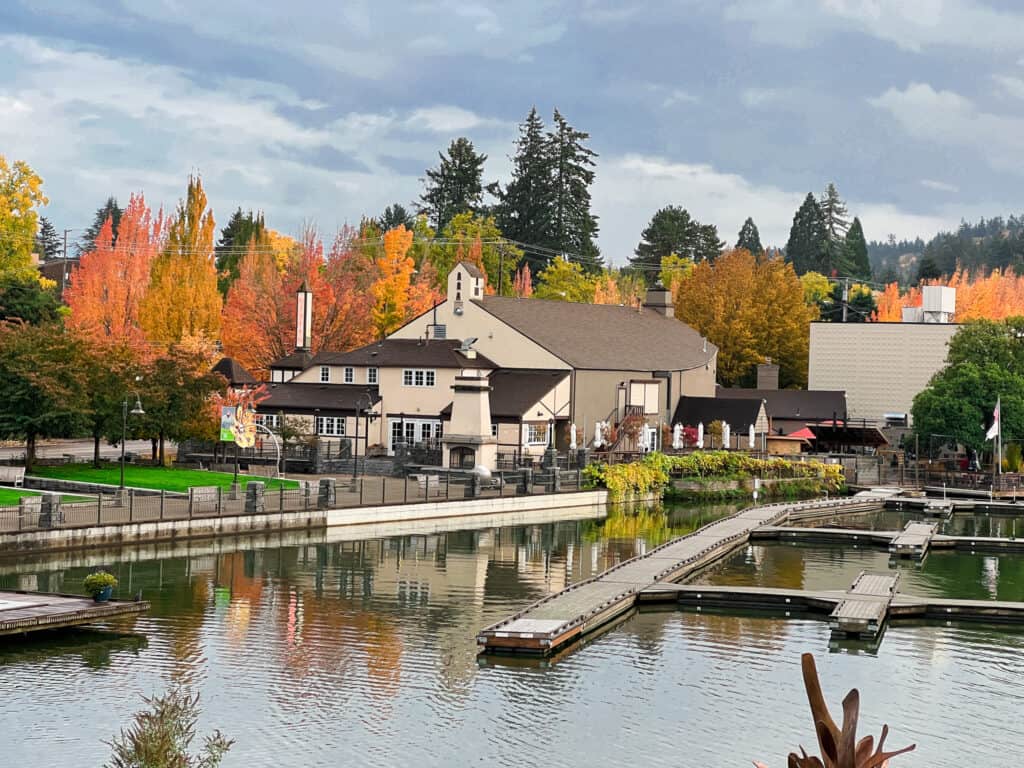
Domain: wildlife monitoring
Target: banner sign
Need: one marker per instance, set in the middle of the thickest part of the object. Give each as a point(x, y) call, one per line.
point(227, 423)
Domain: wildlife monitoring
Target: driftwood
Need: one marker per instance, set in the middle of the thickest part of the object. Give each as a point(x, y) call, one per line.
point(839, 747)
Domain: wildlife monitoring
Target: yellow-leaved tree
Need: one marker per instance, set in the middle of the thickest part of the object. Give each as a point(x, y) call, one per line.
point(183, 300)
point(751, 308)
point(394, 276)
point(21, 192)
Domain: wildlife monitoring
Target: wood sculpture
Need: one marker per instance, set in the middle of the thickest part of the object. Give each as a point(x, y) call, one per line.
point(839, 747)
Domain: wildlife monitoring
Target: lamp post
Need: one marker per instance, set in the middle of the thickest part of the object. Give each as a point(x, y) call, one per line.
point(136, 411)
point(355, 441)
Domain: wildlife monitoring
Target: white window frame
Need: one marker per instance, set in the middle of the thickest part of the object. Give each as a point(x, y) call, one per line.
point(349, 376)
point(494, 430)
point(371, 376)
point(420, 378)
point(325, 374)
point(271, 421)
point(533, 434)
point(329, 426)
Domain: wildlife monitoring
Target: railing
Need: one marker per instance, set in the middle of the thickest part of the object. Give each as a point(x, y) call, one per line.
point(36, 513)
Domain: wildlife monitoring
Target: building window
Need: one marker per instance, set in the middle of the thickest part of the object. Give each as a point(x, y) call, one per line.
point(332, 426)
point(537, 434)
point(410, 432)
point(494, 430)
point(325, 374)
point(418, 377)
point(350, 375)
point(476, 289)
point(269, 420)
point(396, 433)
point(371, 375)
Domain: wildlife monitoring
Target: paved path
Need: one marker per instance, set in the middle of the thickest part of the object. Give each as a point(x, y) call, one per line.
point(80, 449)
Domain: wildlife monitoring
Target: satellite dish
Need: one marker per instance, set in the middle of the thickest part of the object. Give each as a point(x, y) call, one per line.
point(467, 344)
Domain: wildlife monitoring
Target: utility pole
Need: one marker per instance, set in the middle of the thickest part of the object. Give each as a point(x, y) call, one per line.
point(846, 296)
point(501, 266)
point(64, 266)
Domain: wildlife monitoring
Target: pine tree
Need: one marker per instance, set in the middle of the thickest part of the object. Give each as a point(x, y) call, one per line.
point(48, 244)
point(524, 209)
point(749, 238)
point(109, 210)
point(396, 216)
point(834, 213)
point(928, 270)
point(673, 231)
point(241, 230)
point(807, 248)
point(455, 186)
point(573, 225)
point(857, 251)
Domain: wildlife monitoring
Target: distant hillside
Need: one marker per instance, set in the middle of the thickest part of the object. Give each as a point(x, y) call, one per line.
point(988, 244)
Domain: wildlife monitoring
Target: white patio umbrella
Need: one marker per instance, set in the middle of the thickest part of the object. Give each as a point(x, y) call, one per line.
point(598, 435)
point(677, 436)
point(700, 435)
point(572, 436)
point(751, 439)
point(725, 435)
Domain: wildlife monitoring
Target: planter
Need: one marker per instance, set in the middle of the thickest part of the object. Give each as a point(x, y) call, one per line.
point(103, 595)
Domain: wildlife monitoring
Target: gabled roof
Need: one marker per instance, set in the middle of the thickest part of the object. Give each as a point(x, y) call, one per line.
point(234, 372)
point(604, 336)
point(299, 360)
point(513, 391)
point(328, 399)
point(472, 268)
point(794, 404)
point(433, 353)
point(738, 414)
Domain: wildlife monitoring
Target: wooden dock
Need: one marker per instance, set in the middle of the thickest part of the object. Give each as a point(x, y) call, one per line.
point(865, 605)
point(582, 608)
point(22, 612)
point(913, 541)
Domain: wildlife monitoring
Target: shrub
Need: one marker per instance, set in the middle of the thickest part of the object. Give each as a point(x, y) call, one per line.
point(96, 582)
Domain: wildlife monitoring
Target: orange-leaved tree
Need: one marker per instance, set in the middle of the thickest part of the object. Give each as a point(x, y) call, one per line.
point(255, 321)
point(106, 292)
point(394, 276)
point(183, 300)
point(522, 285)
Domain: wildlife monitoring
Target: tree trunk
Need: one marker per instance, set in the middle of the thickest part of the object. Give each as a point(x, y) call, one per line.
point(161, 449)
point(96, 450)
point(30, 452)
point(152, 443)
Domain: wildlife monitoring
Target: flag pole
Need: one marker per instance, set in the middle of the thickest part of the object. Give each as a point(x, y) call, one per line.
point(999, 434)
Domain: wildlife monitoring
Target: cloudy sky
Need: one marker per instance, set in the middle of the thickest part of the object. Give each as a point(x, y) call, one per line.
point(325, 111)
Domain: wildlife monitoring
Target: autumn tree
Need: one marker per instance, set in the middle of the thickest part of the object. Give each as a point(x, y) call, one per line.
point(21, 193)
point(183, 299)
point(522, 284)
point(751, 308)
point(394, 276)
point(476, 238)
point(673, 269)
point(564, 280)
point(106, 292)
point(889, 308)
point(256, 325)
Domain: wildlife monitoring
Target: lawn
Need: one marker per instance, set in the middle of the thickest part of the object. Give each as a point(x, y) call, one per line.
point(9, 497)
point(155, 478)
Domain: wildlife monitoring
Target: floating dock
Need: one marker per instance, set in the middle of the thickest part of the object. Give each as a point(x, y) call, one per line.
point(22, 612)
point(886, 539)
point(863, 609)
point(913, 541)
point(578, 610)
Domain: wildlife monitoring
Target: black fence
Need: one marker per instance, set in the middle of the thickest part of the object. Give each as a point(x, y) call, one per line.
point(48, 512)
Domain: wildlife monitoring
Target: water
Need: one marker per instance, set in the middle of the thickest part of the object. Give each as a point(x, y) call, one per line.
point(363, 654)
point(981, 524)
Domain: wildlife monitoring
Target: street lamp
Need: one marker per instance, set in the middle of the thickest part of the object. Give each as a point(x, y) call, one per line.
point(136, 411)
point(355, 442)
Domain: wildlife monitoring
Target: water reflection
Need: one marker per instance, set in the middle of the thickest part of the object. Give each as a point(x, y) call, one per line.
point(982, 524)
point(357, 653)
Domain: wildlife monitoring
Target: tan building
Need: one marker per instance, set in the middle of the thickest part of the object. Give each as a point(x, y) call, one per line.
point(619, 359)
point(881, 366)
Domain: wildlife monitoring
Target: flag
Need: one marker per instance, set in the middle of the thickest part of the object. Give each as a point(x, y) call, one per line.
point(993, 431)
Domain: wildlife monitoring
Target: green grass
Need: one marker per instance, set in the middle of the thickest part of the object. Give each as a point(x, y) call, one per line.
point(155, 478)
point(11, 496)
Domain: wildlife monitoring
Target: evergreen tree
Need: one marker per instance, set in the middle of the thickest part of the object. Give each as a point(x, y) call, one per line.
point(455, 186)
point(928, 269)
point(48, 243)
point(749, 238)
point(524, 208)
point(857, 251)
point(834, 213)
point(673, 231)
point(241, 229)
point(807, 247)
point(110, 210)
point(396, 216)
point(573, 225)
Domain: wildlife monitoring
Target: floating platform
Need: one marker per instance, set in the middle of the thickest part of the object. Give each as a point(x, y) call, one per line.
point(913, 541)
point(22, 612)
point(886, 539)
point(582, 608)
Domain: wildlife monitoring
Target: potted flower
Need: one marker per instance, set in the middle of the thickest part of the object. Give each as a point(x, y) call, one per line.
point(100, 585)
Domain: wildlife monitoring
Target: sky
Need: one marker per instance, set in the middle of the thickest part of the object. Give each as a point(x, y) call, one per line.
point(322, 112)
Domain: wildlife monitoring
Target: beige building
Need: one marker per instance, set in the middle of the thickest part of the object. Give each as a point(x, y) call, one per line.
point(881, 366)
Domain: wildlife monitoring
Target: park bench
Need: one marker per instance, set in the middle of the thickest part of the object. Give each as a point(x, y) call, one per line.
point(12, 476)
point(204, 498)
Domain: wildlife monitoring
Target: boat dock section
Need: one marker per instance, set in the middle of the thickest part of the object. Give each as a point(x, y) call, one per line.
point(22, 612)
point(913, 541)
point(567, 616)
point(864, 607)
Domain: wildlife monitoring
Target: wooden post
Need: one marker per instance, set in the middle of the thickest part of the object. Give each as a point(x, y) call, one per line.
point(99, 508)
point(383, 489)
point(131, 503)
point(220, 491)
point(405, 490)
point(163, 495)
point(361, 491)
point(189, 503)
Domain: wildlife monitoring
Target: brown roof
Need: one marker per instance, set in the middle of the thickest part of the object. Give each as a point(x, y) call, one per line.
point(299, 360)
point(434, 353)
point(604, 336)
point(794, 404)
point(234, 372)
point(513, 391)
point(472, 268)
point(328, 399)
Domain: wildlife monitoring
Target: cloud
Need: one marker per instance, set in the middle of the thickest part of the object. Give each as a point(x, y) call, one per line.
point(446, 119)
point(912, 25)
point(939, 186)
point(948, 119)
point(630, 188)
point(754, 98)
point(1010, 86)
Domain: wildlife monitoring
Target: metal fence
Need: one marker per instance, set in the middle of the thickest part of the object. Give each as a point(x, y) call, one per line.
point(48, 512)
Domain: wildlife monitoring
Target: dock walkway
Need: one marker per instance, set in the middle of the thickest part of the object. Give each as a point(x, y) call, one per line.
point(22, 612)
point(582, 608)
point(864, 607)
point(914, 540)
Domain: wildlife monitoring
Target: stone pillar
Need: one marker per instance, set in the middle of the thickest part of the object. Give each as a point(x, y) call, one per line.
point(556, 480)
point(49, 511)
point(582, 457)
point(254, 504)
point(550, 458)
point(528, 480)
point(475, 485)
point(327, 496)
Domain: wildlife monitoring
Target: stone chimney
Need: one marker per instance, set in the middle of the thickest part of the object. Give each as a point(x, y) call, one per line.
point(768, 375)
point(467, 441)
point(659, 299)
